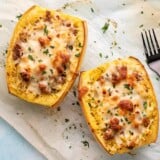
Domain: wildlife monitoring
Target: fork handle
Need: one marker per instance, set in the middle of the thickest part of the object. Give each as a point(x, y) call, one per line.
point(155, 66)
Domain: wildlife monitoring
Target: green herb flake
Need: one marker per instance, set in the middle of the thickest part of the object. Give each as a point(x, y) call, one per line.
point(105, 27)
point(131, 133)
point(39, 60)
point(45, 30)
point(52, 47)
point(51, 70)
point(141, 26)
point(145, 105)
point(85, 143)
point(74, 93)
point(92, 10)
point(77, 55)
point(31, 57)
point(66, 120)
point(127, 86)
point(89, 104)
point(142, 12)
point(0, 25)
point(100, 55)
point(46, 51)
point(70, 47)
point(29, 49)
point(19, 16)
point(44, 72)
point(80, 45)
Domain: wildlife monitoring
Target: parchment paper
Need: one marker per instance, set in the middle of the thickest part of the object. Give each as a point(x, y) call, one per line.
point(62, 133)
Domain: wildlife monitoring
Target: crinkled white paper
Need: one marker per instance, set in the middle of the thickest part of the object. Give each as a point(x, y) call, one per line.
point(62, 133)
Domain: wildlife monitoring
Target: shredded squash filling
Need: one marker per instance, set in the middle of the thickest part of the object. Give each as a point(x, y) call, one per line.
point(120, 105)
point(45, 53)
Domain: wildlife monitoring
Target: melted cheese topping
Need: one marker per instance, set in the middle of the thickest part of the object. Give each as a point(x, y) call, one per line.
point(47, 53)
point(119, 105)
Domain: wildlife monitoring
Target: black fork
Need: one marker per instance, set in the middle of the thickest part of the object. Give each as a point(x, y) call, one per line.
point(151, 50)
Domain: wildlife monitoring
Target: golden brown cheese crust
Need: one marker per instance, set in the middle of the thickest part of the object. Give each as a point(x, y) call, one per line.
point(44, 55)
point(120, 105)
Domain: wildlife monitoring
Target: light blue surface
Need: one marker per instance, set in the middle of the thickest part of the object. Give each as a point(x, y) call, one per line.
point(14, 147)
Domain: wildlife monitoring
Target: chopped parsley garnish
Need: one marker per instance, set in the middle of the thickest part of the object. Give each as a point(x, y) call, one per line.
point(100, 55)
point(45, 30)
point(19, 16)
point(77, 55)
point(145, 105)
point(46, 51)
point(105, 27)
point(92, 10)
point(85, 143)
point(142, 12)
point(31, 57)
point(0, 25)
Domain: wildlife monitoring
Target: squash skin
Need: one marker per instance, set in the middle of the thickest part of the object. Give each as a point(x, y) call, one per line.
point(50, 100)
point(92, 123)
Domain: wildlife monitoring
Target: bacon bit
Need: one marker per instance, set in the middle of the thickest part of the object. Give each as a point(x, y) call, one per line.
point(123, 72)
point(101, 80)
point(25, 76)
point(43, 88)
point(115, 98)
point(109, 134)
point(61, 80)
point(48, 16)
point(58, 17)
point(126, 105)
point(131, 117)
point(82, 91)
point(145, 121)
point(115, 79)
point(135, 124)
point(17, 52)
point(42, 67)
point(104, 92)
point(23, 36)
point(131, 145)
point(65, 57)
point(74, 31)
point(60, 61)
point(137, 76)
point(68, 24)
point(44, 41)
point(58, 35)
point(114, 124)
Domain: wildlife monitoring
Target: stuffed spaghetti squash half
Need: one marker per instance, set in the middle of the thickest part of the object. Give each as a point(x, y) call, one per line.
point(119, 104)
point(44, 55)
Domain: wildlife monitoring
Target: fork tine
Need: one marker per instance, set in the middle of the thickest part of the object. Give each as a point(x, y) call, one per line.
point(153, 46)
point(155, 38)
point(144, 45)
point(149, 47)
